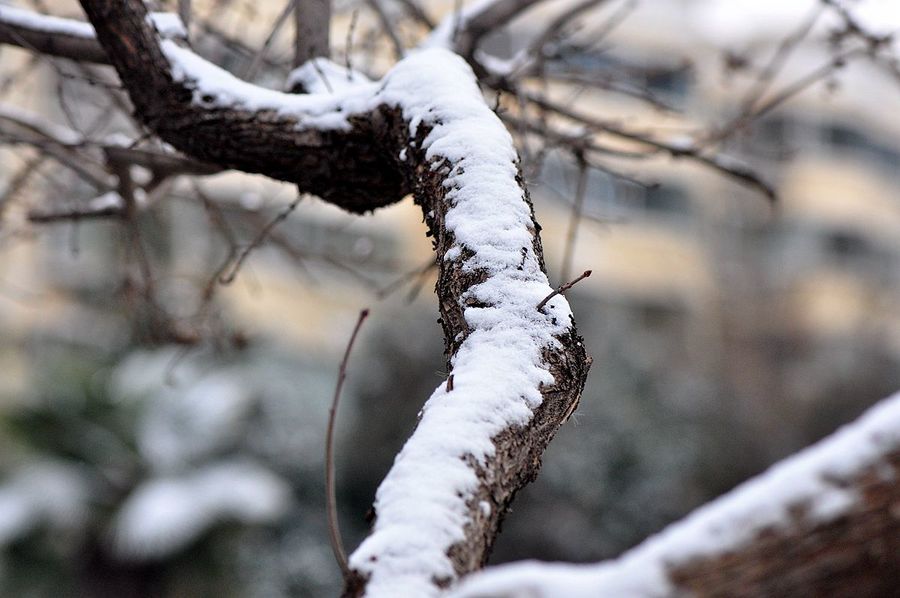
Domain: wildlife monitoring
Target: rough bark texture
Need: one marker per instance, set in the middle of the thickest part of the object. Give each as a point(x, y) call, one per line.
point(351, 169)
point(855, 554)
point(518, 450)
point(357, 170)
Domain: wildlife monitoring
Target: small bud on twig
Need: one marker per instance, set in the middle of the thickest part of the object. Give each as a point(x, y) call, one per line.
point(561, 290)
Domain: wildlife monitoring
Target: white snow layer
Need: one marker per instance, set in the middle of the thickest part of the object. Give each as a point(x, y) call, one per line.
point(29, 19)
point(321, 75)
point(422, 504)
point(806, 479)
point(51, 493)
point(165, 514)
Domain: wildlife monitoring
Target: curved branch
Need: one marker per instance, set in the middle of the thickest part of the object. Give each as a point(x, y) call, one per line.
point(214, 117)
point(424, 128)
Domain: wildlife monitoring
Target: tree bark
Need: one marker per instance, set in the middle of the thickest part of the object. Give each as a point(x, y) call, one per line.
point(372, 163)
point(824, 522)
point(855, 554)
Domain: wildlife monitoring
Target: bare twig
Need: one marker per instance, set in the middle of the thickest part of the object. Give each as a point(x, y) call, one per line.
point(76, 214)
point(232, 272)
point(470, 28)
point(804, 82)
point(348, 49)
point(561, 290)
point(554, 29)
point(19, 180)
point(415, 274)
point(778, 60)
point(334, 530)
point(575, 219)
point(388, 26)
point(731, 168)
point(416, 12)
point(276, 28)
point(184, 12)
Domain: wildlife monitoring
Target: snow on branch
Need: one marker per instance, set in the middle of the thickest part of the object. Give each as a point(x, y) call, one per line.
point(818, 505)
point(69, 38)
point(424, 128)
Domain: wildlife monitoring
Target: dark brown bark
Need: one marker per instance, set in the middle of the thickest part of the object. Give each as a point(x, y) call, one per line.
point(353, 169)
point(518, 450)
point(856, 554)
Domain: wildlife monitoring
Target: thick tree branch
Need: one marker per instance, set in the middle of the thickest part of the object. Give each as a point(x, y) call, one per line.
point(825, 522)
point(424, 128)
point(345, 165)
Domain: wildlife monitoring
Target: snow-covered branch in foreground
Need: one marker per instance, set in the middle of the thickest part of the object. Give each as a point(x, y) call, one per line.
point(423, 129)
point(823, 522)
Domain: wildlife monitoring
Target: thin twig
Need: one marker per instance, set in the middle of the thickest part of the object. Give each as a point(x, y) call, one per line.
point(334, 530)
point(388, 27)
point(836, 62)
point(184, 12)
point(232, 272)
point(348, 50)
point(417, 13)
point(575, 219)
point(263, 50)
point(731, 168)
point(39, 217)
point(561, 290)
point(415, 274)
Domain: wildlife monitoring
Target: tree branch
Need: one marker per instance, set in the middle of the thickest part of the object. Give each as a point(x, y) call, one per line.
point(424, 128)
point(821, 523)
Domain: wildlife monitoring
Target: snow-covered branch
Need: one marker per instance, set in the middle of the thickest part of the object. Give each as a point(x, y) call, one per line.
point(823, 522)
point(424, 128)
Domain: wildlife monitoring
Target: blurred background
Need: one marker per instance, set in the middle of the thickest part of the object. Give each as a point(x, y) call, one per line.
point(162, 426)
